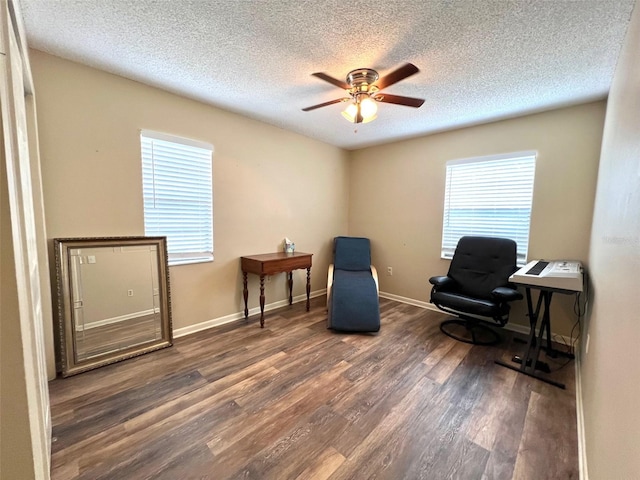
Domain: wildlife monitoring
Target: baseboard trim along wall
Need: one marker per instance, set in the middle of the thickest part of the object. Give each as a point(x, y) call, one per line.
point(582, 447)
point(181, 332)
point(215, 322)
point(429, 306)
point(121, 318)
point(410, 301)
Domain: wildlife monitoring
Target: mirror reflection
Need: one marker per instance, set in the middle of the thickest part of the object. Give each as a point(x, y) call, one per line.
point(113, 299)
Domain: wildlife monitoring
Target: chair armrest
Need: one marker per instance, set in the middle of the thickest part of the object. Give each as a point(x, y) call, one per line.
point(374, 273)
point(329, 283)
point(506, 294)
point(440, 282)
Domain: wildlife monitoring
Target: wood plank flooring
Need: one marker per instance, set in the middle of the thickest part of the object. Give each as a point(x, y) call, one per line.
point(297, 401)
point(117, 336)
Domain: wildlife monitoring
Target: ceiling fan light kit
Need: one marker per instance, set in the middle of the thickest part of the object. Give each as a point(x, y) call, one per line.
point(363, 86)
point(364, 107)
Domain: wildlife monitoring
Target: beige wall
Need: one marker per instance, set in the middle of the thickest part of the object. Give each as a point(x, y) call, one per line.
point(268, 183)
point(397, 193)
point(610, 369)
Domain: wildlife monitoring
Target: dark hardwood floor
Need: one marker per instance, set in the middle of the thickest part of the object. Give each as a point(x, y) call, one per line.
point(109, 338)
point(297, 401)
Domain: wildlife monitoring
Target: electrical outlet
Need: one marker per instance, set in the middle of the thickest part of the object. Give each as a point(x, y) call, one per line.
point(268, 278)
point(389, 271)
point(129, 293)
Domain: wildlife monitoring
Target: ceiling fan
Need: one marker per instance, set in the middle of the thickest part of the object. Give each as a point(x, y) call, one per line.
point(363, 86)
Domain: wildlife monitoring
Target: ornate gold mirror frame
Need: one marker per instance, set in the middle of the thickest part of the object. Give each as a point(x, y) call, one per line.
point(113, 300)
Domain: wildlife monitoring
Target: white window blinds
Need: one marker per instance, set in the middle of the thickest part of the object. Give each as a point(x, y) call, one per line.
point(489, 196)
point(178, 197)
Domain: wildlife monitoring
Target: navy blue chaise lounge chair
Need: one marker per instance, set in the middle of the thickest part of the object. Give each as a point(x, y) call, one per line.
point(352, 287)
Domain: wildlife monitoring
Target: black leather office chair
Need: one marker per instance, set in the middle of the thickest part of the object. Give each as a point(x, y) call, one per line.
point(476, 289)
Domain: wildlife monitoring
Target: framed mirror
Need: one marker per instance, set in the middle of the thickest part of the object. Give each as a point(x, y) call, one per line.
point(113, 300)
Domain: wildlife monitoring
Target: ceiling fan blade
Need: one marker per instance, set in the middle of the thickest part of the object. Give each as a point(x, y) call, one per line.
point(400, 100)
point(331, 80)
point(320, 105)
point(401, 73)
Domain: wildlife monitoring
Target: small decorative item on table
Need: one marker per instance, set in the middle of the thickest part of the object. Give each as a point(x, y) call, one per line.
point(289, 246)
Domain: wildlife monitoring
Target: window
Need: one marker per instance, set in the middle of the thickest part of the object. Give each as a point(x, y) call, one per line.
point(489, 196)
point(178, 197)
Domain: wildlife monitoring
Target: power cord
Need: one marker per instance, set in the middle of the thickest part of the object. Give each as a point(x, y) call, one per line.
point(580, 304)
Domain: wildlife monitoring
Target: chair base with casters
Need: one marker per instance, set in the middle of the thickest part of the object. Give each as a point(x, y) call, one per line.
point(352, 288)
point(476, 289)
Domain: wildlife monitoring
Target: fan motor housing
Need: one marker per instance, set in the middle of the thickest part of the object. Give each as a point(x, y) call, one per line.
point(361, 77)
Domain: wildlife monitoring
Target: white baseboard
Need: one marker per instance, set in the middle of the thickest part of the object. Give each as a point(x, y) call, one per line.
point(582, 448)
point(121, 318)
point(523, 329)
point(410, 301)
point(215, 322)
point(180, 332)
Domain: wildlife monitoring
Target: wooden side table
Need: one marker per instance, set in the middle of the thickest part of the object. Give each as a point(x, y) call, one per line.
point(272, 263)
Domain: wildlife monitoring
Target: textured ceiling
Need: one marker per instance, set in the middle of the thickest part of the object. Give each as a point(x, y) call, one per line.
point(480, 60)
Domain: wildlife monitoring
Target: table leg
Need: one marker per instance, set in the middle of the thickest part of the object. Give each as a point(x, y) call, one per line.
point(308, 287)
point(261, 301)
point(529, 363)
point(290, 288)
point(547, 322)
point(245, 294)
point(544, 328)
point(533, 321)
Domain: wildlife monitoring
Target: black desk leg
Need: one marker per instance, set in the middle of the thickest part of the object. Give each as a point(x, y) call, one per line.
point(529, 362)
point(533, 321)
